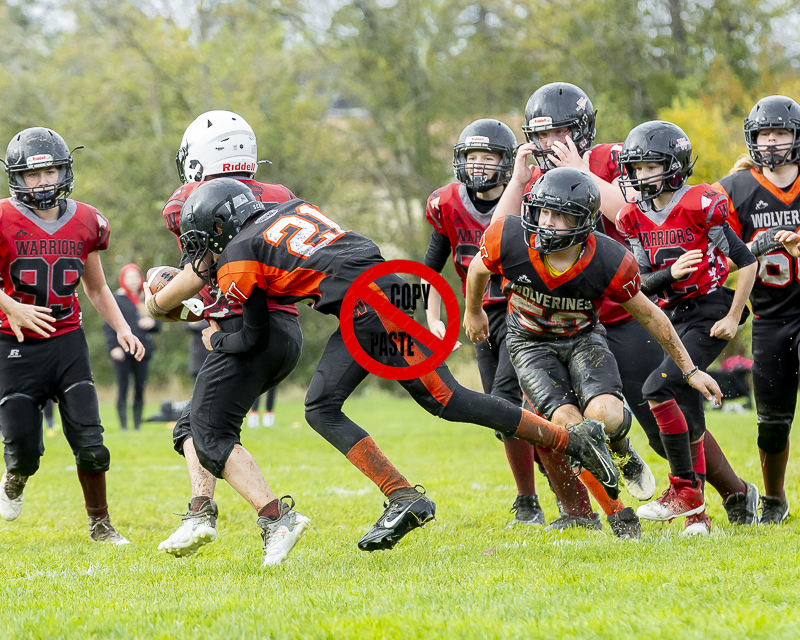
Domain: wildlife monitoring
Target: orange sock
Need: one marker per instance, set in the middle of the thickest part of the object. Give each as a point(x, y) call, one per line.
point(541, 432)
point(369, 459)
point(608, 505)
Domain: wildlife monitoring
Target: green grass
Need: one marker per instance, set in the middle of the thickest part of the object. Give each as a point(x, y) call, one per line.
point(466, 575)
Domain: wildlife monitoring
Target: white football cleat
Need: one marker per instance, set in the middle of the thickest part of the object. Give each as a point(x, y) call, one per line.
point(281, 535)
point(197, 530)
point(11, 485)
point(682, 498)
point(268, 419)
point(697, 525)
point(253, 420)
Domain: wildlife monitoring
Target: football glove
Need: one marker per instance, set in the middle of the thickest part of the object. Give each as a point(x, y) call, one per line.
point(766, 243)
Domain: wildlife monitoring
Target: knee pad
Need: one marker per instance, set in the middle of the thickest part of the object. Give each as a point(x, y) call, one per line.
point(773, 434)
point(18, 413)
point(93, 459)
point(625, 426)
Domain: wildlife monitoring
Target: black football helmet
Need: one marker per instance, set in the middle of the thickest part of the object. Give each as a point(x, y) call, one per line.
point(773, 112)
point(487, 135)
point(568, 191)
point(37, 148)
point(556, 105)
point(211, 217)
point(655, 141)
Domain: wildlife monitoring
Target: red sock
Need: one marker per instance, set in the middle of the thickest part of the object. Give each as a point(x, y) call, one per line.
point(270, 511)
point(521, 456)
point(674, 433)
point(94, 493)
point(369, 459)
point(699, 457)
point(570, 491)
point(719, 473)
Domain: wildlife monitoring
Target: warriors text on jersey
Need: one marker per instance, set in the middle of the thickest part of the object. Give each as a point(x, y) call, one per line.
point(453, 215)
point(546, 307)
point(267, 193)
point(295, 253)
point(41, 263)
point(692, 220)
point(604, 163)
point(755, 205)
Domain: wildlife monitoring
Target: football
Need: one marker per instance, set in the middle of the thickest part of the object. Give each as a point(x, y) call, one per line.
point(190, 310)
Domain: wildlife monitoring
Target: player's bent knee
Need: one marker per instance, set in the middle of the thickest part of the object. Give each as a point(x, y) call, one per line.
point(607, 409)
point(773, 436)
point(94, 459)
point(621, 432)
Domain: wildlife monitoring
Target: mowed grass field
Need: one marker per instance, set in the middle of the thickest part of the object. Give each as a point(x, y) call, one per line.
point(466, 575)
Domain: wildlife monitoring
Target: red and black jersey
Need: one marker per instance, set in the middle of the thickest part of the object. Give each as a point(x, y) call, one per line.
point(542, 306)
point(295, 253)
point(222, 308)
point(756, 205)
point(41, 262)
point(659, 238)
point(453, 215)
point(604, 163)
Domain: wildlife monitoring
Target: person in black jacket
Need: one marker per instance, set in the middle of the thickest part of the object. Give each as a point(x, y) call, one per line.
point(129, 299)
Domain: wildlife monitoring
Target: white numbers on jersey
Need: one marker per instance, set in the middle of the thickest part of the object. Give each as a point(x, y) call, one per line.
point(775, 269)
point(304, 233)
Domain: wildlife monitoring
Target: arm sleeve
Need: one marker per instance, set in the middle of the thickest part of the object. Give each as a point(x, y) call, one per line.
point(490, 247)
point(438, 251)
point(724, 238)
point(254, 334)
point(653, 282)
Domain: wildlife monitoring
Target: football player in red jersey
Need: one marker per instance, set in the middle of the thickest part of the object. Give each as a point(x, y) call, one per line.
point(48, 244)
point(483, 160)
point(222, 143)
point(560, 130)
point(763, 192)
point(293, 252)
point(682, 241)
point(558, 273)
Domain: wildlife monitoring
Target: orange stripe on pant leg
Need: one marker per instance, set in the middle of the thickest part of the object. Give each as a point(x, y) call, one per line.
point(432, 380)
point(370, 460)
point(608, 505)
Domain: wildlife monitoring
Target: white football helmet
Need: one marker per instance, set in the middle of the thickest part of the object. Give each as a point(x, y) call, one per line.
point(217, 143)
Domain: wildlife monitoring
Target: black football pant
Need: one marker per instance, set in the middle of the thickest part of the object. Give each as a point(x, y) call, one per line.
point(124, 370)
point(692, 319)
point(775, 377)
point(227, 386)
point(438, 392)
point(637, 354)
point(34, 371)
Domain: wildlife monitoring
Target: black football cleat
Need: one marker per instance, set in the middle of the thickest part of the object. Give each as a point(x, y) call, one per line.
point(587, 446)
point(625, 524)
point(401, 516)
point(567, 521)
point(742, 508)
point(773, 510)
point(526, 510)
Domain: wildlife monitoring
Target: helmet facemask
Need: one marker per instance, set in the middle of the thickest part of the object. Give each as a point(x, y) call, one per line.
point(774, 155)
point(42, 197)
point(672, 177)
point(547, 240)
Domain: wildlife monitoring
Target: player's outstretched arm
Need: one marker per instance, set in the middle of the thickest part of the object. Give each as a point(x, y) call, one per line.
point(511, 201)
point(476, 322)
point(182, 287)
point(656, 322)
point(27, 316)
point(94, 284)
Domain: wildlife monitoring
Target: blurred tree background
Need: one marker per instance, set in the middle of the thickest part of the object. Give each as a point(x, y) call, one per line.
point(357, 103)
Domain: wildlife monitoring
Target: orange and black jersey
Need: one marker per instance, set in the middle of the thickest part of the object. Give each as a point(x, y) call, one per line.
point(542, 306)
point(295, 253)
point(756, 205)
point(264, 192)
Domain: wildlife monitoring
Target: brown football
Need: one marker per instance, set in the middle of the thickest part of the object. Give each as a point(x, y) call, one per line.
point(160, 277)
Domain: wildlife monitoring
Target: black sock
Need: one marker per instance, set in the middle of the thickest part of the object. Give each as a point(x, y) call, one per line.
point(679, 455)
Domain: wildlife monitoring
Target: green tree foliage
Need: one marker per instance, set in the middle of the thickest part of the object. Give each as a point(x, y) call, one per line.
point(357, 103)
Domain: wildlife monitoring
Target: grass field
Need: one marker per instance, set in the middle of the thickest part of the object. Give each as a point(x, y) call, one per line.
point(466, 575)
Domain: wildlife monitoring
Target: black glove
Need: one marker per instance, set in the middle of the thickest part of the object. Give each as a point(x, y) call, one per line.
point(765, 242)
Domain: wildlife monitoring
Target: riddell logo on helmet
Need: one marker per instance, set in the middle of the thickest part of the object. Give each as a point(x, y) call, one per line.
point(478, 141)
point(541, 122)
point(38, 161)
point(240, 166)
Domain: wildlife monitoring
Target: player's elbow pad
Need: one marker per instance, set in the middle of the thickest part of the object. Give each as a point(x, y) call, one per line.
point(656, 281)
